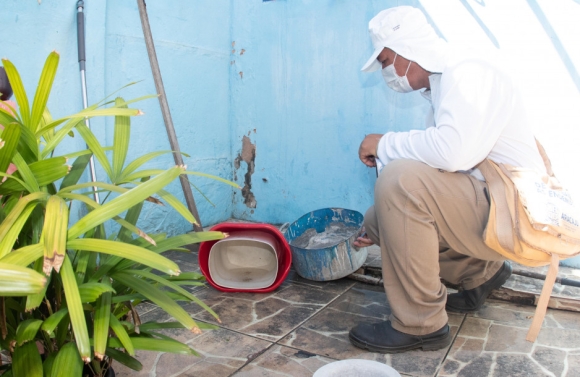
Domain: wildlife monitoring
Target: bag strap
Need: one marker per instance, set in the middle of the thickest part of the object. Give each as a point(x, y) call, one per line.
point(546, 159)
point(542, 305)
point(497, 189)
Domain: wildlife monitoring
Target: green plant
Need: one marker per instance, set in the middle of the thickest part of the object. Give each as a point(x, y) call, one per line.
point(79, 286)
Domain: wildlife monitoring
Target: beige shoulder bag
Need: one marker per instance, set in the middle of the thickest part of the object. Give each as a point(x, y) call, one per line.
point(532, 221)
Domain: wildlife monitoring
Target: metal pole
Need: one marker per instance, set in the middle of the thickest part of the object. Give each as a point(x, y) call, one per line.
point(165, 111)
point(82, 60)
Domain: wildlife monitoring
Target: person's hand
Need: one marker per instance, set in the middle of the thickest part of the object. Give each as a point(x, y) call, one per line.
point(367, 152)
point(362, 240)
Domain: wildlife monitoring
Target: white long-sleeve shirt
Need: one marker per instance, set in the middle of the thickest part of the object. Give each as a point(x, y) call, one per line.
point(477, 113)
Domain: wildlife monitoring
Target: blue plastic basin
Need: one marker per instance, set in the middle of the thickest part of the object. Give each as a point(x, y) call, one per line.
point(334, 261)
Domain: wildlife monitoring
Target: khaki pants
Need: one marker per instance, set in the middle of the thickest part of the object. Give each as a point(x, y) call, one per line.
point(429, 224)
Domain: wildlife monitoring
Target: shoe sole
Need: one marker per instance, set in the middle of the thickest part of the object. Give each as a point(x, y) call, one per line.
point(498, 284)
point(428, 345)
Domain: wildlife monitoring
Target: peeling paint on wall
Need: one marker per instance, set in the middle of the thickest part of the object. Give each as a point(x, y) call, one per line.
point(248, 155)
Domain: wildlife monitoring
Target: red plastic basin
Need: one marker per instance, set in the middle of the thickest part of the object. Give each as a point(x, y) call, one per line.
point(282, 249)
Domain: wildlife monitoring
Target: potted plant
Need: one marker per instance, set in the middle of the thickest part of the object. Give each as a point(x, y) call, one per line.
point(79, 283)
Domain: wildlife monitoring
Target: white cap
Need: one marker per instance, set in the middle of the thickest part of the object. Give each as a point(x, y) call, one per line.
point(405, 30)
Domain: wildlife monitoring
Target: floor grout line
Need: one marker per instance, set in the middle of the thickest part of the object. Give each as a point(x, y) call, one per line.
point(285, 335)
point(450, 346)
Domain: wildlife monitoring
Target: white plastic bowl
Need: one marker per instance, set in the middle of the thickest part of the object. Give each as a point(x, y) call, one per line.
point(356, 368)
point(245, 261)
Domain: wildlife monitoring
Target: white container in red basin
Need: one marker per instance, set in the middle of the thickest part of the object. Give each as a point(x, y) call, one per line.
point(244, 261)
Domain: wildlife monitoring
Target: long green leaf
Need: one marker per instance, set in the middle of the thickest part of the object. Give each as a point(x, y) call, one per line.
point(123, 202)
point(19, 281)
point(26, 361)
point(82, 263)
point(125, 250)
point(27, 330)
point(43, 89)
point(25, 255)
point(185, 239)
point(7, 243)
point(95, 147)
point(77, 170)
point(68, 362)
point(101, 324)
point(159, 345)
point(101, 185)
point(25, 173)
point(111, 111)
point(138, 162)
point(54, 233)
point(46, 119)
point(48, 363)
point(18, 89)
point(92, 291)
point(214, 177)
point(51, 322)
point(28, 145)
point(49, 170)
point(161, 280)
point(120, 140)
point(173, 325)
point(10, 137)
point(7, 117)
point(158, 297)
point(140, 174)
point(122, 334)
point(172, 243)
point(34, 301)
point(186, 276)
point(132, 216)
point(124, 103)
point(126, 225)
point(13, 185)
point(59, 136)
point(75, 307)
point(123, 358)
point(18, 208)
point(177, 205)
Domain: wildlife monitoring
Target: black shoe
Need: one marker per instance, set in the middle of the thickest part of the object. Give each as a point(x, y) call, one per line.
point(471, 300)
point(382, 337)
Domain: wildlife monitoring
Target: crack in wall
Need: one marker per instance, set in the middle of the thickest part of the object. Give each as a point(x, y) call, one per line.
point(248, 155)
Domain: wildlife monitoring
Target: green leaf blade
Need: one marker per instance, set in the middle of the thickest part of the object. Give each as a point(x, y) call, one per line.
point(160, 298)
point(122, 335)
point(101, 324)
point(68, 362)
point(27, 330)
point(75, 307)
point(127, 251)
point(10, 137)
point(43, 89)
point(26, 361)
point(18, 89)
point(120, 140)
point(123, 202)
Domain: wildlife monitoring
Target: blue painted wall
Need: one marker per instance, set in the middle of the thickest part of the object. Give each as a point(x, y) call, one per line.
point(270, 93)
point(299, 96)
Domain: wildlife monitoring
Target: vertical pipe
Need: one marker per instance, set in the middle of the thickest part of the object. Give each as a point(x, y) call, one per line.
point(165, 111)
point(82, 60)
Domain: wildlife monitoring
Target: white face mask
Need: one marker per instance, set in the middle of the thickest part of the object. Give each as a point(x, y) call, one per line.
point(397, 83)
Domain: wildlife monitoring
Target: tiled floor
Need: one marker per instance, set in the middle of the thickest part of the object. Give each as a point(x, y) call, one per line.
point(304, 325)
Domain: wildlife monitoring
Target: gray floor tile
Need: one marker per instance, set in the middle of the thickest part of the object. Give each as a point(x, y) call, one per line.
point(283, 361)
point(222, 352)
point(327, 333)
point(268, 316)
point(492, 342)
